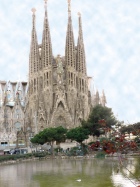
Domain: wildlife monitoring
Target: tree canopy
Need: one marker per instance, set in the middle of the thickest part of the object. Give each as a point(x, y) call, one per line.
point(50, 135)
point(99, 117)
point(78, 134)
point(134, 129)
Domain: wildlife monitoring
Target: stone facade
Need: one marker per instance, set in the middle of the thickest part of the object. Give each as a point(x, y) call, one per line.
point(58, 91)
point(58, 86)
point(12, 115)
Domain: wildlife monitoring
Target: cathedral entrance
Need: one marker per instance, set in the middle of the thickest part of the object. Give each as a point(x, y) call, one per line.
point(60, 121)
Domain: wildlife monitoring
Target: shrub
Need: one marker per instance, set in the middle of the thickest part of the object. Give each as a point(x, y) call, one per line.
point(14, 157)
point(100, 154)
point(40, 154)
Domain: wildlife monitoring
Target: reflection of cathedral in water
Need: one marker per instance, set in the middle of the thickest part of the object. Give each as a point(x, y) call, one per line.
point(58, 88)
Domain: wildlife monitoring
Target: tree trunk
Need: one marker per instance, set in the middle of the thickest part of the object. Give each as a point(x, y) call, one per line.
point(52, 148)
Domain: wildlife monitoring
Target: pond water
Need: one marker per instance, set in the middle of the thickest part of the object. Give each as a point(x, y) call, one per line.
point(71, 173)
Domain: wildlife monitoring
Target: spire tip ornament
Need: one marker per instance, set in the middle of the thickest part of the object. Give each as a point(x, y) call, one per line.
point(79, 14)
point(69, 6)
point(45, 1)
point(45, 6)
point(33, 11)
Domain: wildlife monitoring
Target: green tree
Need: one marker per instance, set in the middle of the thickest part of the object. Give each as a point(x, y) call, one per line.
point(61, 134)
point(134, 129)
point(136, 126)
point(97, 114)
point(126, 129)
point(78, 134)
point(50, 135)
point(38, 139)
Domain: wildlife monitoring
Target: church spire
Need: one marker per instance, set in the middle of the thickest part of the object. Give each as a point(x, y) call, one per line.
point(69, 7)
point(81, 62)
point(103, 99)
point(46, 52)
point(45, 7)
point(97, 100)
point(34, 52)
point(70, 46)
point(80, 37)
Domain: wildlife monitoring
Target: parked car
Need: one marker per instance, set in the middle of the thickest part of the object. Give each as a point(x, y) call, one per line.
point(15, 151)
point(18, 151)
point(6, 151)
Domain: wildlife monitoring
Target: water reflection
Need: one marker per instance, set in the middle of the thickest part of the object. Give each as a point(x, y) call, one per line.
point(129, 173)
point(66, 172)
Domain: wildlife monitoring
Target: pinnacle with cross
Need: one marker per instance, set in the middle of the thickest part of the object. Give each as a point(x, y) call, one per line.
point(33, 10)
point(45, 4)
point(69, 6)
point(79, 14)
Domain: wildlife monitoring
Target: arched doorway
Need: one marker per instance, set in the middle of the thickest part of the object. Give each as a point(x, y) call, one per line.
point(60, 121)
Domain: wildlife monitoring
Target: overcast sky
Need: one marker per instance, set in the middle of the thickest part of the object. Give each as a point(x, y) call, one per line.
point(112, 42)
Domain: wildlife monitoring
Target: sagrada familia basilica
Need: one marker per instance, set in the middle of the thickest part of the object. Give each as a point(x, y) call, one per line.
point(58, 90)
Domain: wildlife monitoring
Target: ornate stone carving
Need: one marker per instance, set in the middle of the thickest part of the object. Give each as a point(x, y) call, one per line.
point(62, 94)
point(60, 70)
